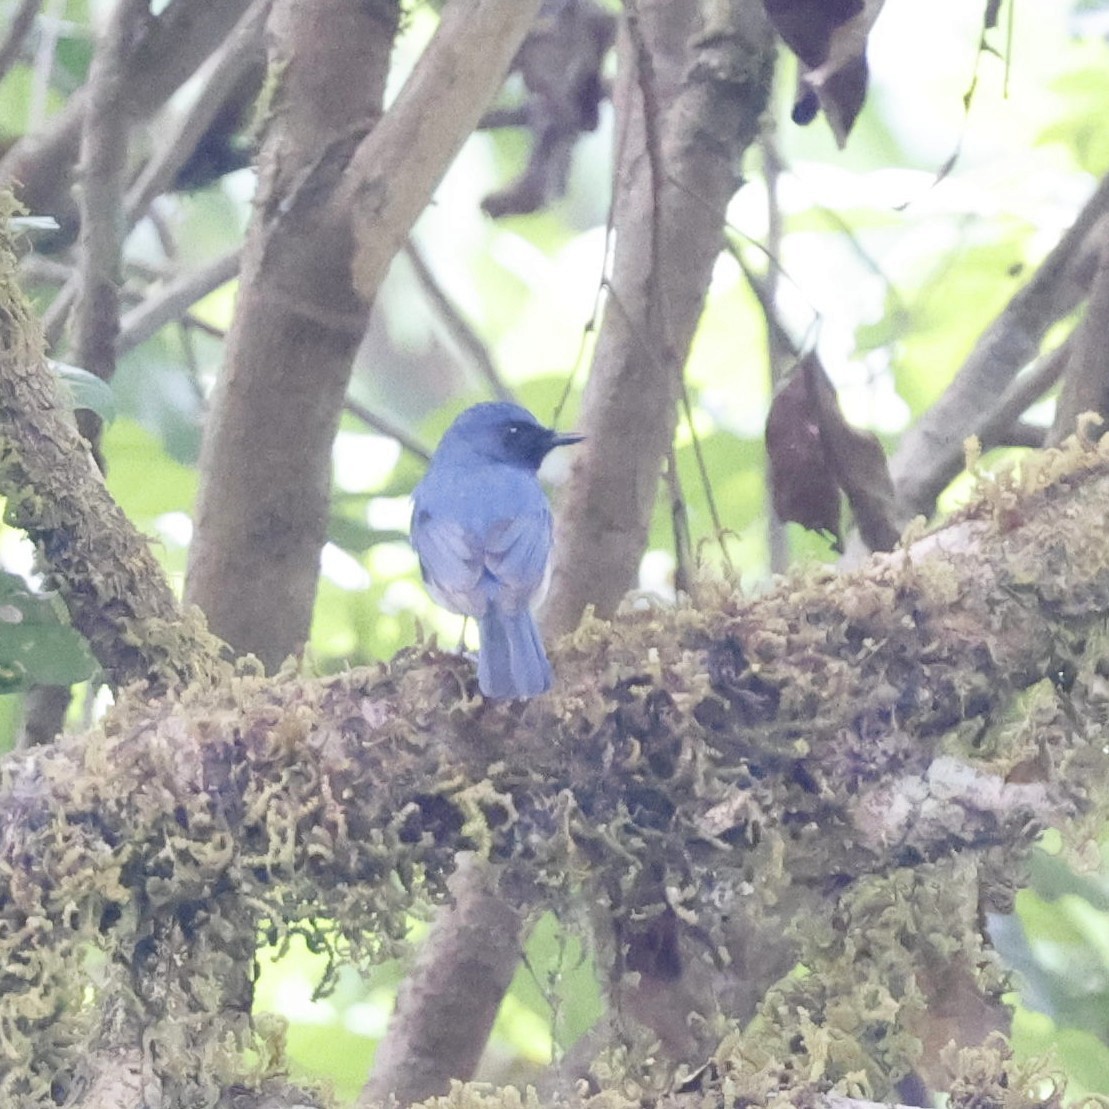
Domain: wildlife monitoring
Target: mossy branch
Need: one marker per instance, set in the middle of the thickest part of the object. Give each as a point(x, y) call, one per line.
point(879, 742)
point(117, 595)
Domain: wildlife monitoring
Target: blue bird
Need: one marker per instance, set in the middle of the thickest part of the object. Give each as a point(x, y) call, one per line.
point(481, 527)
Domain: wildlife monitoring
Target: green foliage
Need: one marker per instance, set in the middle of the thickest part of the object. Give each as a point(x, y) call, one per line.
point(1058, 942)
point(37, 644)
point(553, 1000)
point(1081, 94)
point(87, 390)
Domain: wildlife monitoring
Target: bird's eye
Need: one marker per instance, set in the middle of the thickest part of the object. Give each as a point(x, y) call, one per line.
point(512, 429)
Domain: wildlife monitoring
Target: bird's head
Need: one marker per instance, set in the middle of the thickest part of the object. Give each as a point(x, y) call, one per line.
point(500, 432)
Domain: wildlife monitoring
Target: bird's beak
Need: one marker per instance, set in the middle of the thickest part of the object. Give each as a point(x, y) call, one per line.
point(567, 440)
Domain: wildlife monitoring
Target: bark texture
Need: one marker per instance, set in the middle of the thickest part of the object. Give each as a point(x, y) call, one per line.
point(328, 184)
point(449, 1000)
point(265, 466)
point(694, 80)
point(117, 595)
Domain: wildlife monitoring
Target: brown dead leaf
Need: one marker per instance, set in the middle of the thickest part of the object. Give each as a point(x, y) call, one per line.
point(815, 454)
point(802, 484)
point(829, 38)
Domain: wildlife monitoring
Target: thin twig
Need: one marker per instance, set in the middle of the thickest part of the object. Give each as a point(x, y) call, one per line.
point(458, 331)
point(679, 518)
point(719, 530)
point(55, 317)
point(387, 427)
point(44, 63)
point(21, 24)
point(173, 301)
point(243, 49)
point(163, 232)
point(776, 328)
point(104, 146)
point(779, 352)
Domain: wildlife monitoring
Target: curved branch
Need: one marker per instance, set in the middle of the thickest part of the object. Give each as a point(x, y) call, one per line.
point(828, 731)
point(395, 170)
point(920, 466)
point(116, 593)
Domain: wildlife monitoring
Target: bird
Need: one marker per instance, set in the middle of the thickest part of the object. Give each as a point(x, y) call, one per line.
point(481, 528)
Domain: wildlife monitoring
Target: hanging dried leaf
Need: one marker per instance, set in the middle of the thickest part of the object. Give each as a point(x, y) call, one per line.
point(859, 463)
point(807, 26)
point(829, 39)
point(560, 63)
point(802, 485)
point(815, 453)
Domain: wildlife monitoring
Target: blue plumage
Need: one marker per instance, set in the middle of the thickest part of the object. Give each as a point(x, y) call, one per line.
point(481, 527)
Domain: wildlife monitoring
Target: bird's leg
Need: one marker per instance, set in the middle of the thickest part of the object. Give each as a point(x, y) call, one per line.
point(461, 649)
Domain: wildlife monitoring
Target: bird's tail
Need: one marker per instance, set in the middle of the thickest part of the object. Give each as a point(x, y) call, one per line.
point(511, 662)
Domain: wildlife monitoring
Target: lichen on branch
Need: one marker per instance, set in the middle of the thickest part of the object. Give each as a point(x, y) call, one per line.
point(116, 593)
point(846, 754)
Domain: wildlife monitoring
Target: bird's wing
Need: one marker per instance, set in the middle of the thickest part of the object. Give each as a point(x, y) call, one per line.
point(451, 562)
point(516, 555)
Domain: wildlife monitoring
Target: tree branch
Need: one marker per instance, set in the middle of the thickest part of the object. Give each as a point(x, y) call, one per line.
point(117, 595)
point(263, 505)
point(104, 159)
point(708, 108)
point(178, 40)
point(432, 1037)
point(689, 99)
point(458, 331)
point(1086, 382)
point(22, 20)
point(994, 425)
point(396, 169)
point(174, 300)
point(264, 498)
point(464, 65)
point(244, 50)
point(837, 736)
point(919, 466)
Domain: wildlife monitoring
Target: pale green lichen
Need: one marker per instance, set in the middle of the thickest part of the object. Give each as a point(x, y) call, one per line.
point(696, 770)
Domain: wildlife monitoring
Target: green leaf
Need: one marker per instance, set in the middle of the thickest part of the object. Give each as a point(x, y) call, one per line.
point(87, 390)
point(33, 223)
point(36, 646)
